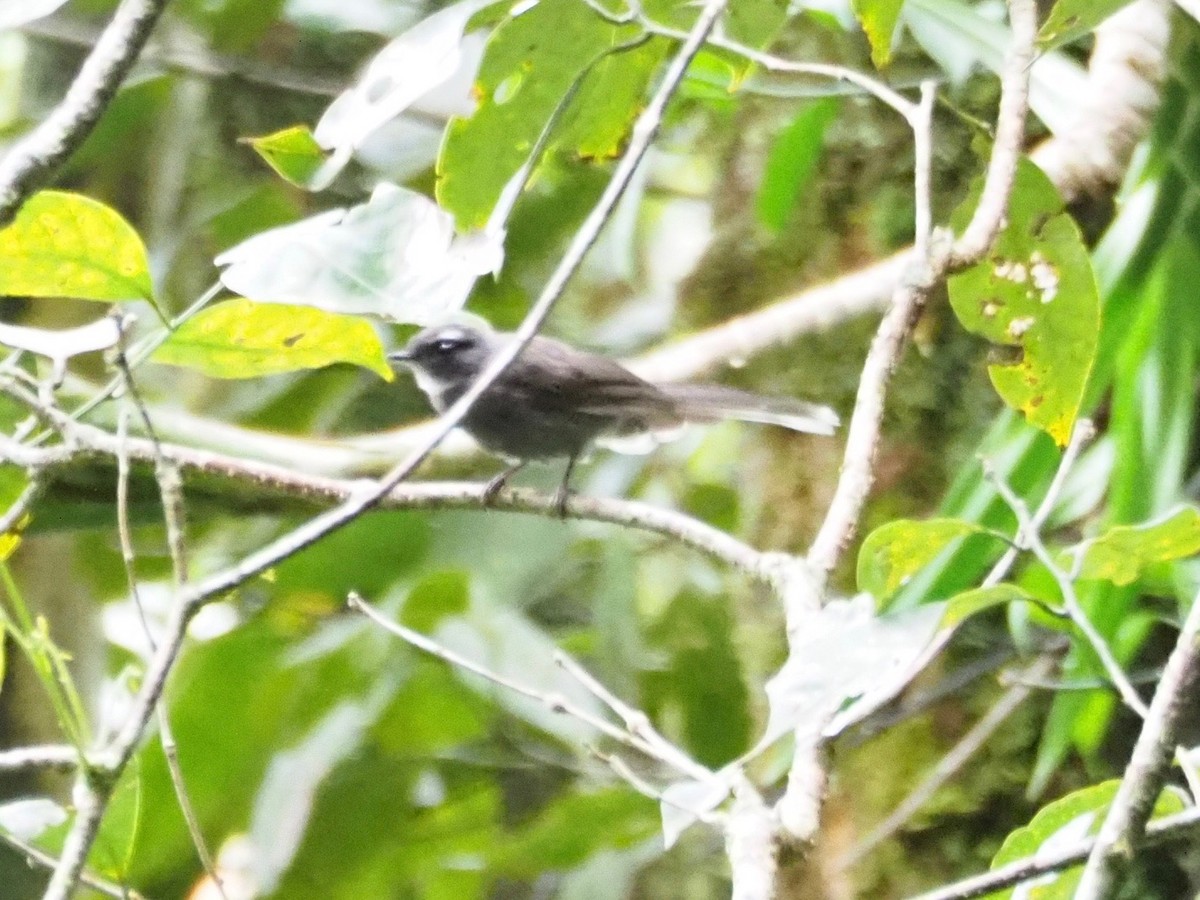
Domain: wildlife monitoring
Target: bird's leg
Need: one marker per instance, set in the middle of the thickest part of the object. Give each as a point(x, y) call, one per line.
point(497, 482)
point(564, 489)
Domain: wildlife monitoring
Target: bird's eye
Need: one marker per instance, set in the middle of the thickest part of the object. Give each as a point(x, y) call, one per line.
point(445, 345)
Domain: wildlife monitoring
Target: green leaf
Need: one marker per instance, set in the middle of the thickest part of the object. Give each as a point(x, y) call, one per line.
point(68, 245)
point(1034, 292)
point(1076, 815)
point(878, 18)
point(243, 339)
point(894, 552)
point(1071, 19)
point(1121, 553)
point(292, 152)
point(530, 63)
point(793, 161)
point(962, 606)
point(570, 829)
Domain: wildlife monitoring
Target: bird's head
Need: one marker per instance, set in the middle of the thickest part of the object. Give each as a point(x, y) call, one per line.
point(445, 355)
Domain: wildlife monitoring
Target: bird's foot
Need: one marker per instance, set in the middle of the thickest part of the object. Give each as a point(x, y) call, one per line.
point(561, 497)
point(494, 486)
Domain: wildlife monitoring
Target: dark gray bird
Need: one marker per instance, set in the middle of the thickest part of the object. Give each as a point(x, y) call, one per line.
point(556, 401)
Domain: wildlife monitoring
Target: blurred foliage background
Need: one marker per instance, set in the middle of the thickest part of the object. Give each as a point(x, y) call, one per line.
point(328, 760)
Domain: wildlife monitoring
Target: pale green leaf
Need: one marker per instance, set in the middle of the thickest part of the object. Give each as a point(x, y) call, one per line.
point(292, 152)
point(1071, 19)
point(894, 552)
point(878, 19)
point(243, 339)
point(68, 245)
point(1121, 553)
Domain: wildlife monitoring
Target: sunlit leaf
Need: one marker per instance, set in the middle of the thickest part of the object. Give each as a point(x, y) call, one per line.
point(1070, 19)
point(243, 339)
point(1034, 292)
point(1121, 553)
point(893, 553)
point(793, 161)
point(292, 152)
point(878, 18)
point(530, 63)
point(395, 256)
point(1064, 822)
point(68, 245)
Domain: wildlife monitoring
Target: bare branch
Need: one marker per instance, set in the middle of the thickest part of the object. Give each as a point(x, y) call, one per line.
point(52, 756)
point(46, 861)
point(950, 764)
point(927, 270)
point(1028, 536)
point(629, 736)
point(1159, 831)
point(33, 159)
point(1124, 828)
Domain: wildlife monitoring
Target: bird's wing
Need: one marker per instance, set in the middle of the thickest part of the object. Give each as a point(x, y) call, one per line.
point(589, 384)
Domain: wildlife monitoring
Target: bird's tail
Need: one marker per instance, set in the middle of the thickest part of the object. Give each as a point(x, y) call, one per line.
point(715, 402)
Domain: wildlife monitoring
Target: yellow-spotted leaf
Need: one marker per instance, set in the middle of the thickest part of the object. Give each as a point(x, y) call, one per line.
point(1034, 295)
point(894, 552)
point(243, 339)
point(293, 153)
point(1121, 553)
point(878, 19)
point(68, 245)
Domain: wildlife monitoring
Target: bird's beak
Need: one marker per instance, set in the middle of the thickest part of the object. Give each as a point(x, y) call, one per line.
point(399, 356)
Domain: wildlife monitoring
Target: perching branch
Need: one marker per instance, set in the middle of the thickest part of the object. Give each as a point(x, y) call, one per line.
point(1124, 828)
point(32, 160)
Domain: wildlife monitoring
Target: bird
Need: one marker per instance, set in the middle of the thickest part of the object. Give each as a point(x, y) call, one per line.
point(556, 401)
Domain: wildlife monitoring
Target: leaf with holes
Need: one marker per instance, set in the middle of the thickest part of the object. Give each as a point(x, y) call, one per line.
point(68, 245)
point(531, 63)
point(1035, 293)
point(243, 339)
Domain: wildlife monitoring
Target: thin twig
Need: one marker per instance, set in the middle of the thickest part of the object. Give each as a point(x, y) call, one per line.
point(46, 861)
point(169, 489)
point(926, 271)
point(1081, 435)
point(1028, 536)
point(1124, 828)
point(32, 160)
point(636, 722)
point(950, 764)
point(50, 756)
point(1048, 860)
point(554, 702)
